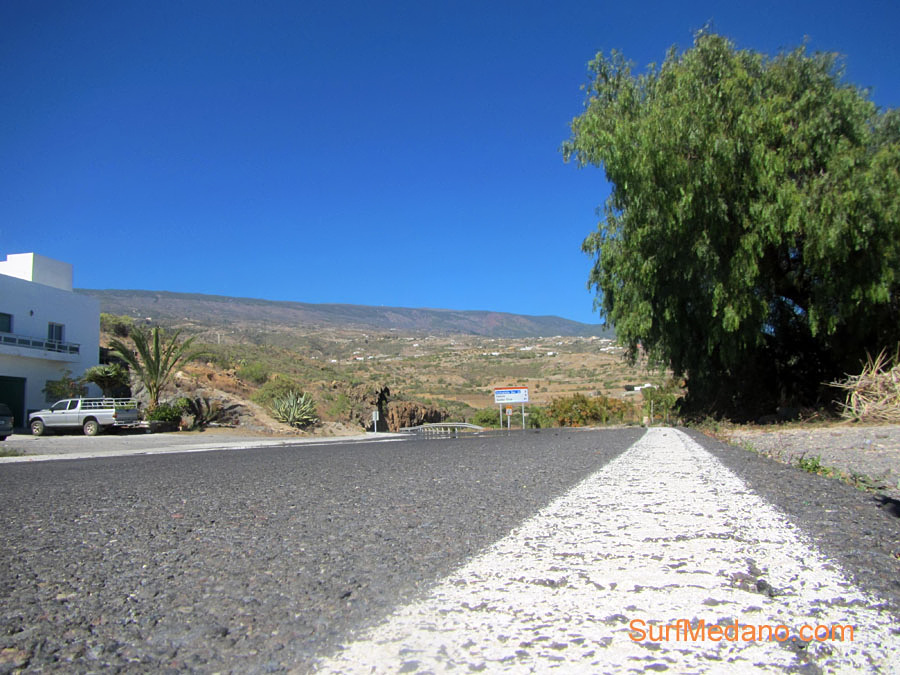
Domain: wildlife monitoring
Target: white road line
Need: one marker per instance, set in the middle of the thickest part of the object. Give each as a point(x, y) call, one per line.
point(663, 533)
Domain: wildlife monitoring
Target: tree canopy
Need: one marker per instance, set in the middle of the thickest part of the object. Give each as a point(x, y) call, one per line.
point(751, 238)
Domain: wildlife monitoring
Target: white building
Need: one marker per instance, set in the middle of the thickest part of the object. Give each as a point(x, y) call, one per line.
point(45, 329)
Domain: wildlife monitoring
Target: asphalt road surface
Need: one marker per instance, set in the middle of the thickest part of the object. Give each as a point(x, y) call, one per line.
point(562, 549)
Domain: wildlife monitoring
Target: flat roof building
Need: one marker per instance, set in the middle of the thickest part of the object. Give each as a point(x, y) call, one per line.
point(46, 329)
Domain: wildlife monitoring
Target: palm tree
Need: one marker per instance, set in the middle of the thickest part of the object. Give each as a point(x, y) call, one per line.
point(157, 358)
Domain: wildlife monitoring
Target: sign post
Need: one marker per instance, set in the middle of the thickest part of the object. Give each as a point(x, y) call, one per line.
point(375, 421)
point(511, 395)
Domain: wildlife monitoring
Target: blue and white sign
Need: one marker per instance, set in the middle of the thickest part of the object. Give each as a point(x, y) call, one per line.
point(511, 395)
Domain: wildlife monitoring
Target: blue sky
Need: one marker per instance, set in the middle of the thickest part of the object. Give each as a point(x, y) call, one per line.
point(380, 153)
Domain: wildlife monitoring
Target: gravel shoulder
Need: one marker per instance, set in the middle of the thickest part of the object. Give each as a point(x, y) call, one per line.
point(872, 452)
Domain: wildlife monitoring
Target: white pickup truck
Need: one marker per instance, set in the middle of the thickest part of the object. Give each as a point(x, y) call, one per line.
point(90, 414)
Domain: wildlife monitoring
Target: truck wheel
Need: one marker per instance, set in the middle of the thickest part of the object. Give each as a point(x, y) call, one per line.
point(91, 428)
point(37, 428)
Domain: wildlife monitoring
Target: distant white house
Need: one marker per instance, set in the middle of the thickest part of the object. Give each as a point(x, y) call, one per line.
point(45, 329)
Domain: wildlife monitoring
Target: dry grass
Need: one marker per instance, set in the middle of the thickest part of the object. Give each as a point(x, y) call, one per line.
point(874, 394)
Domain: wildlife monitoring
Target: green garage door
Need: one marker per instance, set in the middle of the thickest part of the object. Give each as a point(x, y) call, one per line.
point(12, 393)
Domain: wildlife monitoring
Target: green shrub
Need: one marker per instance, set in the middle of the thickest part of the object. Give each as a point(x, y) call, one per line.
point(574, 411)
point(295, 408)
point(811, 464)
point(65, 387)
point(254, 372)
point(487, 417)
point(578, 410)
point(217, 358)
point(165, 412)
point(278, 386)
point(538, 418)
point(120, 326)
point(340, 407)
point(661, 402)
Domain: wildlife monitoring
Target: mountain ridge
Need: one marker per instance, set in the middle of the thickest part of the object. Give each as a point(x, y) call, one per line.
point(217, 310)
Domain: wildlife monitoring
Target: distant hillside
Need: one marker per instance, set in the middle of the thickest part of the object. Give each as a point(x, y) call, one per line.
point(216, 310)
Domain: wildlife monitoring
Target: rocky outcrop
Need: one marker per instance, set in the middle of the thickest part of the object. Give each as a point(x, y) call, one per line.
point(400, 414)
point(363, 400)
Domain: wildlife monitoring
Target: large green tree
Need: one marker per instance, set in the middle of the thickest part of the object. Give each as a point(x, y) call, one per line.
point(751, 239)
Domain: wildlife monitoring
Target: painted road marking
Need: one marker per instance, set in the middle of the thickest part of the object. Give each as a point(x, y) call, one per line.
point(663, 535)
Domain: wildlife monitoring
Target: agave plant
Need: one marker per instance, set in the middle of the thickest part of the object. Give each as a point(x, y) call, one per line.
point(295, 408)
point(205, 411)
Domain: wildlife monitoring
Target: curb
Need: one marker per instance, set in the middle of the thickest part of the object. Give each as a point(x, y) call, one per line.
point(204, 447)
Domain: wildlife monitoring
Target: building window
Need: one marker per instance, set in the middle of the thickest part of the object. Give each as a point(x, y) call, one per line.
point(55, 332)
point(5, 323)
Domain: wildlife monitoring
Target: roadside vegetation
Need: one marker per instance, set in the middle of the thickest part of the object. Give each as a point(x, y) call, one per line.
point(751, 240)
point(580, 411)
point(153, 356)
point(874, 394)
point(813, 464)
point(295, 408)
point(65, 387)
point(346, 373)
point(112, 378)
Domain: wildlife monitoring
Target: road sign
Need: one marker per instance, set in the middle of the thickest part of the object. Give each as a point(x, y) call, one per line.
point(508, 410)
point(511, 395)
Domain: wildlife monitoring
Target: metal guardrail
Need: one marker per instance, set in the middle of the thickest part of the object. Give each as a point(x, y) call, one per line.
point(443, 429)
point(38, 343)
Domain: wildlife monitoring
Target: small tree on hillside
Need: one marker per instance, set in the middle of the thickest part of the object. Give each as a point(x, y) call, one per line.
point(109, 378)
point(120, 326)
point(158, 356)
